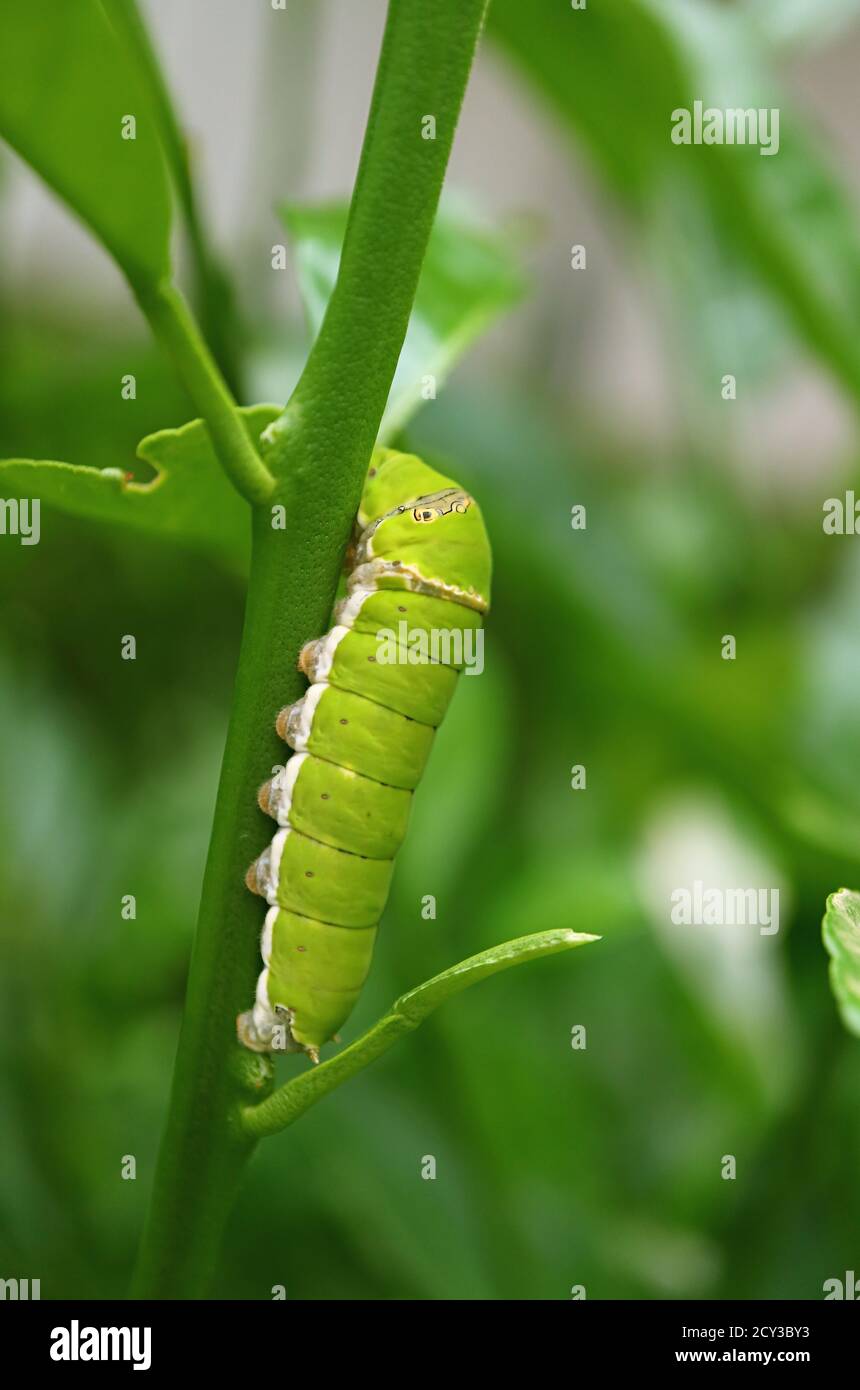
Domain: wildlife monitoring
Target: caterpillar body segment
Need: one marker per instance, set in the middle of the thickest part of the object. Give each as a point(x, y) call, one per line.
point(380, 681)
point(375, 610)
point(380, 671)
point(359, 734)
point(316, 880)
point(338, 806)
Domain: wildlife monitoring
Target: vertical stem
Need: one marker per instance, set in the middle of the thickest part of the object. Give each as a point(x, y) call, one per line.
point(319, 450)
point(330, 425)
point(201, 1158)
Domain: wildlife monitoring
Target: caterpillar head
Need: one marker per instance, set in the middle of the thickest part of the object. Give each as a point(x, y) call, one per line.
point(433, 543)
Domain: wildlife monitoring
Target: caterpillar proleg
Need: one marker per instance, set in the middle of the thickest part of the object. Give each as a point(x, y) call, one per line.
point(380, 680)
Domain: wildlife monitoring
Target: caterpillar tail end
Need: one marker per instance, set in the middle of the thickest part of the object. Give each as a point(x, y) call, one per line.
point(247, 1034)
point(263, 1040)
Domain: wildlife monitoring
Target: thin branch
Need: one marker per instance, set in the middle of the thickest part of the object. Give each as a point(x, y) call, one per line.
point(296, 1096)
point(173, 325)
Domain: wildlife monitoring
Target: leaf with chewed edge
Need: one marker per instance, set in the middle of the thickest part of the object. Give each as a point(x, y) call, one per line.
point(189, 501)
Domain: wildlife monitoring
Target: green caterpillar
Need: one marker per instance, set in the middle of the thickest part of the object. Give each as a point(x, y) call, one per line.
point(381, 680)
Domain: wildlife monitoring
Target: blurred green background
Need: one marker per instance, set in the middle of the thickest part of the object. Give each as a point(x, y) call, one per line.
point(555, 1167)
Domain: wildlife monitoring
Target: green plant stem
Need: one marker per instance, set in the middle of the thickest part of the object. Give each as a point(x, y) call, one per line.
point(321, 449)
point(293, 1099)
point(202, 1154)
point(173, 325)
point(424, 65)
point(213, 296)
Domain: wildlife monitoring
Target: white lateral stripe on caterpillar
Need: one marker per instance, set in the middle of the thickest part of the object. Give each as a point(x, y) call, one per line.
point(281, 790)
point(301, 717)
point(369, 575)
point(269, 865)
point(347, 610)
point(266, 938)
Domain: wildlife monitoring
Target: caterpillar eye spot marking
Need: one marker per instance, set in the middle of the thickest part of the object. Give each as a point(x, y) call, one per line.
point(441, 504)
point(361, 735)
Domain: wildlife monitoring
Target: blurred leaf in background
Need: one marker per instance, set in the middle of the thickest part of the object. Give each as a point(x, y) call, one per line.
point(842, 939)
point(614, 74)
point(469, 278)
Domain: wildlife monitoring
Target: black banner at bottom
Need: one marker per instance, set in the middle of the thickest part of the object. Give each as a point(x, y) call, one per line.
point(63, 1338)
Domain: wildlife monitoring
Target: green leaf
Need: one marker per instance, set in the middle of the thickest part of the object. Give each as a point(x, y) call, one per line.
point(469, 277)
point(840, 931)
point(66, 85)
point(189, 500)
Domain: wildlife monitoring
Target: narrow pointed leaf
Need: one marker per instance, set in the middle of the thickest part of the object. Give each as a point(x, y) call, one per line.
point(405, 1014)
